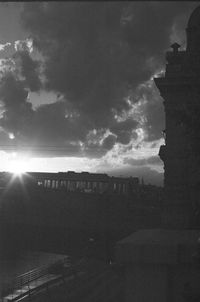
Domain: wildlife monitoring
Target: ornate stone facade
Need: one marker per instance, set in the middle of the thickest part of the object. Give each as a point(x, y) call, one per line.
point(165, 262)
point(180, 89)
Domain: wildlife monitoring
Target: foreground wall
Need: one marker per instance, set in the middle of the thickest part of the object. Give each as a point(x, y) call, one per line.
point(160, 265)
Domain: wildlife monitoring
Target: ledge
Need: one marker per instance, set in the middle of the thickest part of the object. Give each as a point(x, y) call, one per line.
point(158, 246)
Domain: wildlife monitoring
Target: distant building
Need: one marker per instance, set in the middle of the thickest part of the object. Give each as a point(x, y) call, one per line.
point(81, 182)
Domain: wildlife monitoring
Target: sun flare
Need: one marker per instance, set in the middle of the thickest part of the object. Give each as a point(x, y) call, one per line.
point(18, 166)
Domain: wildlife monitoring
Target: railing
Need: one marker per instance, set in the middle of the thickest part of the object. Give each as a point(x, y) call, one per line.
point(25, 279)
point(63, 270)
point(30, 276)
point(85, 280)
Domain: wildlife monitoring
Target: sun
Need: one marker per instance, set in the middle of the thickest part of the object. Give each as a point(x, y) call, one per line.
point(17, 166)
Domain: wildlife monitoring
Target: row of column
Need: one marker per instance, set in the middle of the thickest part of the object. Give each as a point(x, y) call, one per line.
point(84, 186)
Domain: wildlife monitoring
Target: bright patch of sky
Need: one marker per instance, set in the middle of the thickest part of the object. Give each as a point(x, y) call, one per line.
point(42, 97)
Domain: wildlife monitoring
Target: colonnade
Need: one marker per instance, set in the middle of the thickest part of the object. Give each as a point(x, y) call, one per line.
point(87, 186)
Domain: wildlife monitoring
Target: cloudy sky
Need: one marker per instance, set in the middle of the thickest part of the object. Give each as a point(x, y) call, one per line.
point(76, 84)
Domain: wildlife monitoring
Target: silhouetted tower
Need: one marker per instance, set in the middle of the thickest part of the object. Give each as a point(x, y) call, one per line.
point(180, 90)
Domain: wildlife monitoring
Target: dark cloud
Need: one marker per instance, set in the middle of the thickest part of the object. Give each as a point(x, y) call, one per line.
point(29, 70)
point(124, 125)
point(12, 92)
point(95, 54)
point(123, 130)
point(109, 142)
point(154, 21)
point(124, 137)
point(17, 109)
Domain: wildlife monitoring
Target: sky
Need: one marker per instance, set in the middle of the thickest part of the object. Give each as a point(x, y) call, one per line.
point(76, 85)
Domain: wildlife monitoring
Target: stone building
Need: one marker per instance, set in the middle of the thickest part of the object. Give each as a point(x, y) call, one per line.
point(164, 264)
point(180, 90)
